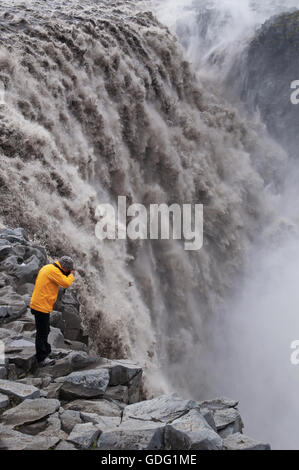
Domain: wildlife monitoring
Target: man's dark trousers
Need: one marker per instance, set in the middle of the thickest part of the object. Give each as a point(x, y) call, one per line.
point(42, 323)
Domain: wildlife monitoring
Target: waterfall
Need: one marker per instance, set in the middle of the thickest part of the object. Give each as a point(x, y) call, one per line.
point(100, 99)
point(248, 351)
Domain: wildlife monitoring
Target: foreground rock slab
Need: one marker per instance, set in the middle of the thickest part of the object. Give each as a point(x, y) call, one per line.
point(84, 435)
point(239, 441)
point(164, 408)
point(85, 384)
point(140, 439)
point(191, 432)
point(18, 390)
point(30, 411)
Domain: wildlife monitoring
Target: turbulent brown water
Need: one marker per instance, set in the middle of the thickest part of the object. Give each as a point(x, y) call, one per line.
point(98, 100)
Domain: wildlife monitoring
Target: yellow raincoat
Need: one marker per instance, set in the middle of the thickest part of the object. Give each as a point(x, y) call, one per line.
point(46, 287)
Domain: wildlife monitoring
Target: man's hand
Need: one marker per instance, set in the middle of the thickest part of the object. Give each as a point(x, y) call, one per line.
point(73, 272)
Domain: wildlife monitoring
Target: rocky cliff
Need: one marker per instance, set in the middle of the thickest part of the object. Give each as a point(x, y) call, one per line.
point(265, 73)
point(86, 401)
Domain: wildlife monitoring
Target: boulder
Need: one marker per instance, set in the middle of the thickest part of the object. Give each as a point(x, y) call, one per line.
point(191, 432)
point(20, 344)
point(77, 345)
point(12, 306)
point(104, 423)
point(118, 392)
point(84, 384)
point(4, 401)
point(56, 338)
point(57, 320)
point(3, 372)
point(64, 445)
point(15, 326)
point(218, 404)
point(80, 360)
point(164, 408)
point(84, 435)
point(30, 411)
point(150, 438)
point(100, 407)
point(239, 441)
point(18, 390)
point(14, 440)
point(18, 233)
point(23, 358)
point(69, 419)
point(228, 421)
point(27, 271)
point(25, 289)
point(5, 250)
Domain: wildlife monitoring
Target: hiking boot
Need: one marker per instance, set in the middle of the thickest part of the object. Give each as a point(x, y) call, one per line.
point(47, 362)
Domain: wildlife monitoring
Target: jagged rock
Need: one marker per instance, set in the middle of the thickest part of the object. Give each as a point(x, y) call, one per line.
point(140, 439)
point(118, 392)
point(191, 432)
point(4, 401)
point(3, 372)
point(12, 306)
point(239, 441)
point(27, 271)
point(56, 338)
point(18, 390)
point(164, 408)
point(52, 390)
point(20, 343)
point(35, 381)
point(57, 320)
point(12, 372)
point(30, 411)
point(62, 367)
point(121, 371)
point(69, 418)
point(69, 362)
point(14, 440)
point(104, 423)
point(48, 427)
point(84, 435)
point(77, 345)
point(25, 289)
point(72, 329)
point(64, 445)
point(15, 326)
point(23, 358)
point(6, 334)
point(85, 384)
point(100, 407)
point(218, 404)
point(228, 421)
point(14, 235)
point(80, 359)
point(124, 372)
point(208, 416)
point(5, 250)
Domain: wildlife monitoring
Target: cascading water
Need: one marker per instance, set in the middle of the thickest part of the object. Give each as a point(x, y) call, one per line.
point(248, 352)
point(99, 100)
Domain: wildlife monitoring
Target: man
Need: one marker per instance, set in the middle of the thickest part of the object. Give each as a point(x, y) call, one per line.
point(44, 296)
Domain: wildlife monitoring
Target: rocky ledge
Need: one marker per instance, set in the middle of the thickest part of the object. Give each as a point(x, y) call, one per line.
point(85, 401)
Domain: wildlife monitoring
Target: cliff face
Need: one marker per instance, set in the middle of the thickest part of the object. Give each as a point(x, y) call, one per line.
point(267, 70)
point(86, 401)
